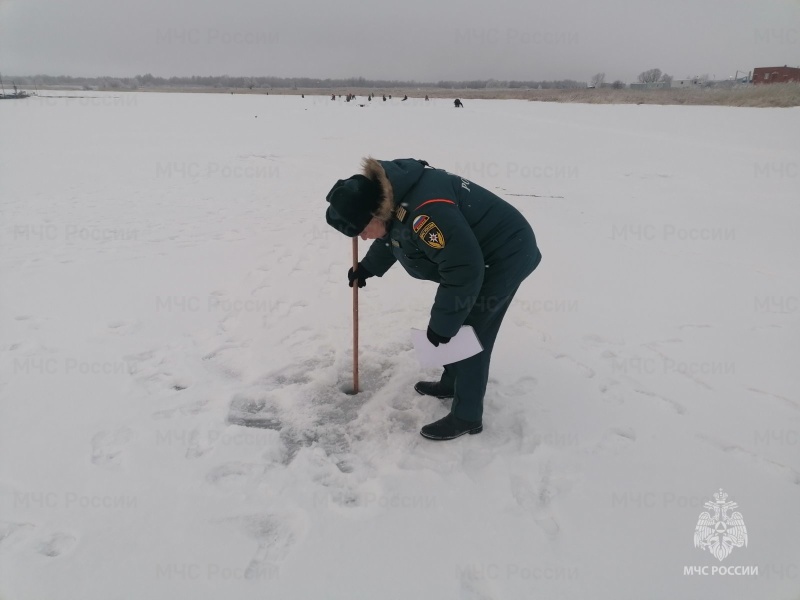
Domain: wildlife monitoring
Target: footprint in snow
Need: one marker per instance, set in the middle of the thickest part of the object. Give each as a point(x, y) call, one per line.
point(510, 427)
point(152, 369)
point(616, 439)
point(585, 369)
point(607, 388)
point(11, 531)
point(236, 474)
point(475, 585)
point(222, 349)
point(32, 322)
point(402, 402)
point(599, 340)
point(522, 387)
point(735, 449)
point(298, 373)
point(56, 544)
point(537, 500)
point(199, 444)
point(275, 535)
point(788, 402)
point(189, 409)
point(403, 422)
point(121, 327)
point(108, 447)
point(301, 336)
point(333, 439)
point(672, 404)
point(254, 410)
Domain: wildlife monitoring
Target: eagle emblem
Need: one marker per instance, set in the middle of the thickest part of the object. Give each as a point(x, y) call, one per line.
point(720, 533)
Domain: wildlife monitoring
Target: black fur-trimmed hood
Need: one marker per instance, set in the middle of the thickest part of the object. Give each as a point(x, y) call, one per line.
point(395, 178)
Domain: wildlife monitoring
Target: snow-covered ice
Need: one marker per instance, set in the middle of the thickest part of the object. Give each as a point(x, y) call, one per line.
point(168, 277)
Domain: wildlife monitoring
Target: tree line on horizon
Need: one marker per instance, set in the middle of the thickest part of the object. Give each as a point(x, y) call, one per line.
point(226, 81)
point(649, 76)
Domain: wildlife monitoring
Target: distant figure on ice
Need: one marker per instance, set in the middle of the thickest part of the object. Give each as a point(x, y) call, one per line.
point(458, 103)
point(384, 97)
point(443, 228)
point(333, 96)
point(405, 98)
point(426, 97)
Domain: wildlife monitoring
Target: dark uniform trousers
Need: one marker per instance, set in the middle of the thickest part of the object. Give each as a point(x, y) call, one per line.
point(468, 378)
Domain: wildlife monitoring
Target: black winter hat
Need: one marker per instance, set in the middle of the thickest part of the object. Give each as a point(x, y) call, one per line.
point(352, 202)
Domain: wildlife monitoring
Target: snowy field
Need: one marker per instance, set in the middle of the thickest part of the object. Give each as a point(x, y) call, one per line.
point(167, 275)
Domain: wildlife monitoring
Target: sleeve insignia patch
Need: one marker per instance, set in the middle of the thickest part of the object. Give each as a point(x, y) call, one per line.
point(401, 214)
point(432, 235)
point(419, 222)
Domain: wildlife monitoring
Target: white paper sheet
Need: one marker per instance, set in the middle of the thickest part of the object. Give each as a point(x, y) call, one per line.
point(463, 345)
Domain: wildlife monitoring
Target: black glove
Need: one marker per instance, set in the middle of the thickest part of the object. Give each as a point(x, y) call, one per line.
point(361, 274)
point(436, 339)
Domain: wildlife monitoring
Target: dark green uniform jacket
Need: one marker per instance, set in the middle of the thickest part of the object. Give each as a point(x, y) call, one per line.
point(444, 228)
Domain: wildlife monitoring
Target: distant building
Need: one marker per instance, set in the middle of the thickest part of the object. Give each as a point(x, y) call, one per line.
point(687, 83)
point(782, 74)
point(652, 85)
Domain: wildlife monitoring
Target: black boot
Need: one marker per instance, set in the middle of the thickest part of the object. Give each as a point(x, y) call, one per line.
point(449, 428)
point(433, 388)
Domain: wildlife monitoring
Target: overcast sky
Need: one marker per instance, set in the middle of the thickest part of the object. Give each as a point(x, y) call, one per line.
point(423, 40)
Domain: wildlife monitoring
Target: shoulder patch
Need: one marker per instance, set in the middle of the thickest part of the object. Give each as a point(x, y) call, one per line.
point(401, 214)
point(432, 235)
point(419, 222)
